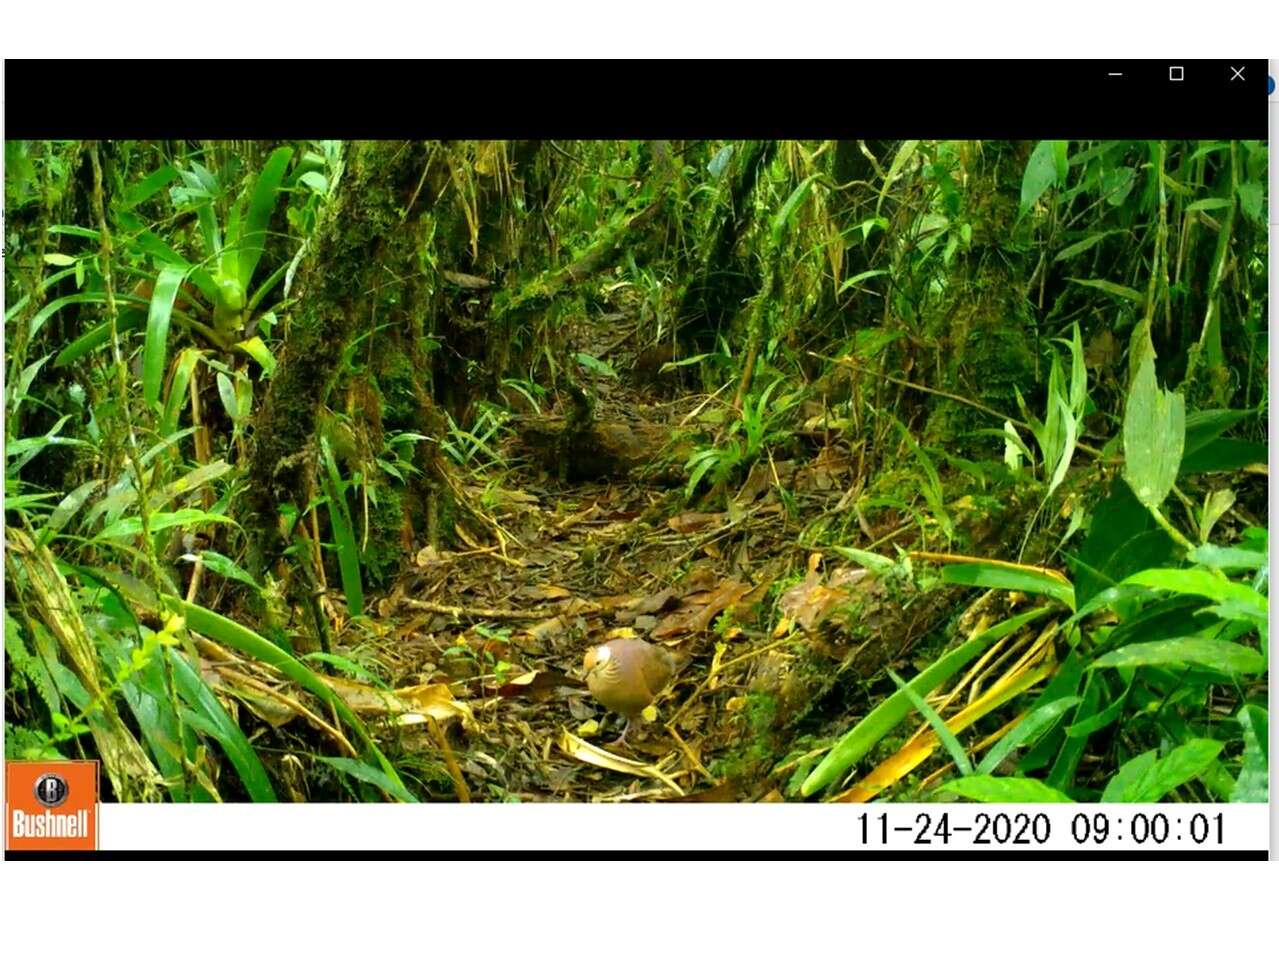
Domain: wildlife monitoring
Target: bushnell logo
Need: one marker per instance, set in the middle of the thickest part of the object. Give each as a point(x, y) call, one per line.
point(51, 806)
point(51, 790)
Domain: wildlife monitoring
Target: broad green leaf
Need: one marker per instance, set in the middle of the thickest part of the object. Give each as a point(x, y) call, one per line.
point(1123, 538)
point(1225, 456)
point(1041, 173)
point(1212, 203)
point(1252, 200)
point(154, 361)
point(1225, 657)
point(1117, 183)
point(596, 365)
point(1198, 582)
point(149, 186)
point(1227, 557)
point(261, 205)
point(1154, 436)
point(1151, 779)
point(1204, 426)
point(1026, 731)
point(255, 348)
point(1016, 789)
point(1129, 774)
point(719, 162)
point(225, 566)
point(992, 576)
point(132, 525)
point(1253, 784)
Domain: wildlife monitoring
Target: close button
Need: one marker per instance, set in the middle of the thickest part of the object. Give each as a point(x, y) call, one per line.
point(1236, 73)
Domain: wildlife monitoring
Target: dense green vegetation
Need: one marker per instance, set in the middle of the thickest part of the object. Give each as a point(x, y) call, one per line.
point(939, 465)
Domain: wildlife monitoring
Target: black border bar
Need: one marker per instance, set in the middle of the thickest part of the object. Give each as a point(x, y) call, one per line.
point(507, 99)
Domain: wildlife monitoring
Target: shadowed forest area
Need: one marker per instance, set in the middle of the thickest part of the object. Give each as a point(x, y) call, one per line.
point(818, 471)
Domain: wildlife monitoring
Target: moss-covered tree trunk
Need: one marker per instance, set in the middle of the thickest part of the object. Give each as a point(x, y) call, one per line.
point(375, 199)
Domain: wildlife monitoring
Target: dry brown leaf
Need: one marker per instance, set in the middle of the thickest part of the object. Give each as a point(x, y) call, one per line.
point(699, 617)
point(583, 751)
point(693, 521)
point(411, 704)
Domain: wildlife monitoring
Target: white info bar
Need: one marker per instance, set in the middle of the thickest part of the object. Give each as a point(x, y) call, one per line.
point(813, 827)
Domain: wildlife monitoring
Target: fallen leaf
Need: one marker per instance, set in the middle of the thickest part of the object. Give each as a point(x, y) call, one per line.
point(692, 522)
point(581, 750)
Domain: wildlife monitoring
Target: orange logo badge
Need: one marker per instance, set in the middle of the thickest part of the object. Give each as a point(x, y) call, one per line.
point(51, 806)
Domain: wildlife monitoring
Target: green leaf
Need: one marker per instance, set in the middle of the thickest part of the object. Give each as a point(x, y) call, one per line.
point(149, 186)
point(214, 721)
point(1084, 245)
point(900, 159)
point(1123, 538)
point(1117, 183)
point(261, 205)
point(942, 731)
point(1212, 203)
point(1154, 436)
point(1027, 731)
point(1224, 456)
point(225, 566)
point(132, 525)
point(1225, 657)
point(1252, 200)
point(1198, 582)
point(1129, 774)
point(860, 278)
point(1253, 784)
point(991, 576)
point(1204, 426)
point(70, 505)
point(153, 352)
point(1041, 173)
point(1227, 557)
point(787, 213)
point(1114, 289)
point(881, 720)
point(98, 336)
point(984, 788)
point(343, 534)
point(255, 348)
point(1146, 779)
point(595, 365)
point(178, 396)
point(366, 773)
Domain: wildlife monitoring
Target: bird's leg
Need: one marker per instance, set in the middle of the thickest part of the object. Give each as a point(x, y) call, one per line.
point(621, 740)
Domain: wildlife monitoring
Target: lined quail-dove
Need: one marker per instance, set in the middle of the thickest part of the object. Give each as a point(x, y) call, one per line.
point(626, 675)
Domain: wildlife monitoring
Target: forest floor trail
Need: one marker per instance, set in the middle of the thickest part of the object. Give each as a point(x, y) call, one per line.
point(579, 563)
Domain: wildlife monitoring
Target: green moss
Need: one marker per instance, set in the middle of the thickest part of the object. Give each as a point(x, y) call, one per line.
point(383, 557)
point(397, 383)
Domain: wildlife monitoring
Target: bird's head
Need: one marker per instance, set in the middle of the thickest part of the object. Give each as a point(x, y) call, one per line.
point(596, 657)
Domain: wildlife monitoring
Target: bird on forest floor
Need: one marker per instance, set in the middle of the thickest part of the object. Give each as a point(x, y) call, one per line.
point(626, 675)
